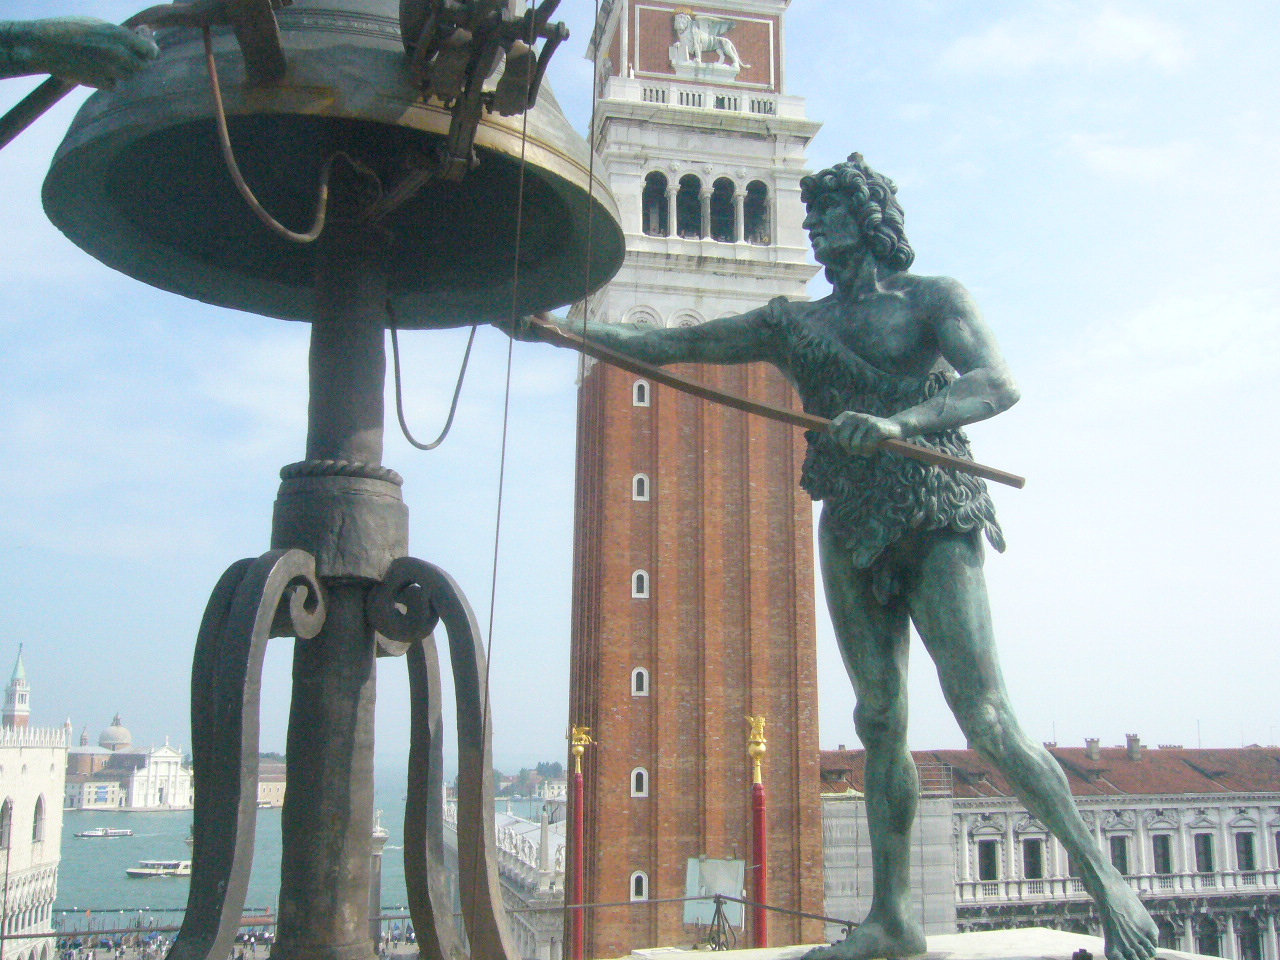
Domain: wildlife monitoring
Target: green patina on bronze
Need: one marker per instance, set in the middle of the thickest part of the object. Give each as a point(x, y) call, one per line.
point(79, 49)
point(450, 201)
point(893, 355)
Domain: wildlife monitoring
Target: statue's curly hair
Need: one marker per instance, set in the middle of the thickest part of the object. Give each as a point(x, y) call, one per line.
point(870, 197)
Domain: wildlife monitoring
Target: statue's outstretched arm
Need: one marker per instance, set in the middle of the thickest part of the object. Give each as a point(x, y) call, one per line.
point(80, 49)
point(741, 339)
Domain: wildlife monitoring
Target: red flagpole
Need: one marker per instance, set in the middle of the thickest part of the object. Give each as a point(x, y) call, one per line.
point(759, 833)
point(580, 737)
point(760, 847)
point(579, 925)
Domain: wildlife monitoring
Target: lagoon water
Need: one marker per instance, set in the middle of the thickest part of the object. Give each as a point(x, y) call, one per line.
point(92, 874)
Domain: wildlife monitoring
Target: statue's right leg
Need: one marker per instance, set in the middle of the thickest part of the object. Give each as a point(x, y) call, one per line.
point(874, 642)
point(948, 600)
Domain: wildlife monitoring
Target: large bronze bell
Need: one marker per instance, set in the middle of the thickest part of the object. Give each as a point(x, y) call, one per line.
point(139, 182)
point(422, 230)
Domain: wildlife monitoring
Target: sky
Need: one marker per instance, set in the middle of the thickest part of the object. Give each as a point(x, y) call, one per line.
point(1100, 175)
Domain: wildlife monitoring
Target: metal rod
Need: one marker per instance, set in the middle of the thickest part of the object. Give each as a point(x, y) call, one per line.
point(32, 107)
point(558, 335)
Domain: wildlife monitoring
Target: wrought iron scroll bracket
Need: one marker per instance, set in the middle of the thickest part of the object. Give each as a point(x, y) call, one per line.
point(275, 595)
point(413, 598)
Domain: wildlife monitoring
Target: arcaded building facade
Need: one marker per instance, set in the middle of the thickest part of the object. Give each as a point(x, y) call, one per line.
point(1195, 832)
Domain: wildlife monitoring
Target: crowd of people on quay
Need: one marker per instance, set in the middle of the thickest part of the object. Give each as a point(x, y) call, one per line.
point(398, 939)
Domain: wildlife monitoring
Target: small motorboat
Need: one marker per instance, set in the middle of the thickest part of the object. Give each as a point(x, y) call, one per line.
point(105, 832)
point(159, 868)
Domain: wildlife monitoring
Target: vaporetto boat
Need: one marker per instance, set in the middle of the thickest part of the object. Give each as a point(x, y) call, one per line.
point(159, 868)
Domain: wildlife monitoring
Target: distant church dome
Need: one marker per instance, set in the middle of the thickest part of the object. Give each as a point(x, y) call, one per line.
point(116, 737)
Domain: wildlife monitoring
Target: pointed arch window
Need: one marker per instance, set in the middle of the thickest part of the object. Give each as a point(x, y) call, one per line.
point(37, 821)
point(755, 214)
point(6, 824)
point(640, 487)
point(640, 585)
point(640, 393)
point(689, 207)
point(639, 682)
point(654, 206)
point(639, 782)
point(722, 210)
point(639, 885)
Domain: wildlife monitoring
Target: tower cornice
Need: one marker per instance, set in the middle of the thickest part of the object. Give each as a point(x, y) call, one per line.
point(710, 121)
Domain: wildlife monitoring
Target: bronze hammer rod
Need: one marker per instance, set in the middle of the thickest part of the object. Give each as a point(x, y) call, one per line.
point(561, 337)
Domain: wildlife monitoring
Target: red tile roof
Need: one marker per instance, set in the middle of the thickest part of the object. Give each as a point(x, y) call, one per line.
point(1157, 772)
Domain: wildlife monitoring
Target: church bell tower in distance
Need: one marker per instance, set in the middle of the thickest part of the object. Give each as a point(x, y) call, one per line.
point(693, 604)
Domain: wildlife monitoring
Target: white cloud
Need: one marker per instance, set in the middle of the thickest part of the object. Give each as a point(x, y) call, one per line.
point(1127, 161)
point(916, 112)
point(1071, 37)
point(1186, 352)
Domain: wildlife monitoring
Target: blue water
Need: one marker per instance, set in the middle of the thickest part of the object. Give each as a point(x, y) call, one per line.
point(92, 874)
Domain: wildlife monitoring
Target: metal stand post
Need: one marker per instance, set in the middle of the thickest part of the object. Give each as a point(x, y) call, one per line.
point(339, 581)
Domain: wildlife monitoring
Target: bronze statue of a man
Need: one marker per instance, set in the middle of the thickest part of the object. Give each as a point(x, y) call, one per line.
point(893, 355)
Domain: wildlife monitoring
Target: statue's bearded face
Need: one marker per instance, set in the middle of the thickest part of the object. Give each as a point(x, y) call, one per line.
point(833, 231)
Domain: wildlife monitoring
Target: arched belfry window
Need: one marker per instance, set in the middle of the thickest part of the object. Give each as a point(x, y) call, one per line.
point(639, 782)
point(755, 214)
point(640, 487)
point(639, 682)
point(689, 207)
point(640, 393)
point(640, 585)
point(722, 210)
point(639, 885)
point(654, 206)
point(37, 821)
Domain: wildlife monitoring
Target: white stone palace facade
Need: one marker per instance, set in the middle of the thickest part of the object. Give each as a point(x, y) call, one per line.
point(32, 763)
point(1196, 832)
point(531, 857)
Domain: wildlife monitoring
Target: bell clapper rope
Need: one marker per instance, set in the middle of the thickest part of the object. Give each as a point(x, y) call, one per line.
point(228, 154)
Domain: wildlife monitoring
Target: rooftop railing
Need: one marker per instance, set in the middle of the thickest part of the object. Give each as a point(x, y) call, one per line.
point(709, 98)
point(1072, 888)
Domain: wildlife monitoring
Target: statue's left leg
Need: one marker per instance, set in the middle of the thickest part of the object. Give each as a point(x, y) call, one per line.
point(948, 604)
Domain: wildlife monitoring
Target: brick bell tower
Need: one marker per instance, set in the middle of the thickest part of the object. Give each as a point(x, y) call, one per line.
point(693, 603)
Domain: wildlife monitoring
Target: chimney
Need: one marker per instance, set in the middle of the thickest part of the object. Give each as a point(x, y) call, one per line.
point(840, 748)
point(1133, 746)
point(1091, 750)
